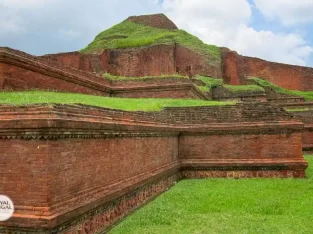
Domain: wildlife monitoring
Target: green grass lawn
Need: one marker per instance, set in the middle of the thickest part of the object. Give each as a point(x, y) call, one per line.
point(228, 206)
point(129, 104)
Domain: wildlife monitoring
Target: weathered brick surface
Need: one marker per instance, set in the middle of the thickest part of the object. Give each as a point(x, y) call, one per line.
point(232, 68)
point(73, 59)
point(20, 71)
point(236, 68)
point(17, 78)
point(284, 75)
point(241, 147)
point(222, 93)
point(146, 61)
point(307, 118)
point(154, 20)
point(190, 63)
point(308, 136)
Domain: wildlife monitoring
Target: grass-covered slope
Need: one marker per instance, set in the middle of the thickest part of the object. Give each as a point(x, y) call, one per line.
point(228, 206)
point(128, 34)
point(308, 95)
point(128, 104)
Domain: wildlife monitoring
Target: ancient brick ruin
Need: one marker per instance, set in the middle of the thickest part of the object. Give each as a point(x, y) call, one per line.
point(237, 68)
point(80, 169)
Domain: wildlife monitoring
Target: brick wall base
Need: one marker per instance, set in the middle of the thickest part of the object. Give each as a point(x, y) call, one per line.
point(100, 219)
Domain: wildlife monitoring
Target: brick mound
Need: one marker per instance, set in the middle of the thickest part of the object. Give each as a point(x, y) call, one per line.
point(155, 21)
point(80, 169)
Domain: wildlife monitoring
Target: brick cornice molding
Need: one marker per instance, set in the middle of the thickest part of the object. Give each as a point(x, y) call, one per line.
point(56, 121)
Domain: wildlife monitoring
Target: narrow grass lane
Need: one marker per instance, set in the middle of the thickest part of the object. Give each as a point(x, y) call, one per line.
point(228, 206)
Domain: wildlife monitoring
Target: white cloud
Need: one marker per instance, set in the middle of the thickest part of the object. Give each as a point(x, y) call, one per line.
point(22, 3)
point(69, 34)
point(212, 13)
point(289, 12)
point(227, 23)
point(51, 26)
point(10, 22)
point(285, 48)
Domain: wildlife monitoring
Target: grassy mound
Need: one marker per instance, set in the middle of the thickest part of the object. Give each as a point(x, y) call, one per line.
point(228, 206)
point(128, 104)
point(128, 34)
point(308, 95)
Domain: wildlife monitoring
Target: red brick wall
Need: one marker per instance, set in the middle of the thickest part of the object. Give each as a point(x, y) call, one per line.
point(43, 74)
point(307, 78)
point(18, 78)
point(1, 75)
point(308, 138)
point(27, 160)
point(236, 68)
point(239, 147)
point(190, 63)
point(283, 75)
point(156, 88)
point(148, 61)
point(105, 59)
point(143, 61)
point(307, 118)
point(89, 166)
point(75, 59)
point(155, 20)
point(232, 68)
point(71, 173)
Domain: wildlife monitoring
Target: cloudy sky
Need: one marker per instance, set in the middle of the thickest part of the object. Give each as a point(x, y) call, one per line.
point(276, 30)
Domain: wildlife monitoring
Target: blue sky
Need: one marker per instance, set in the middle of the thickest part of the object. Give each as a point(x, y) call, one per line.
point(276, 30)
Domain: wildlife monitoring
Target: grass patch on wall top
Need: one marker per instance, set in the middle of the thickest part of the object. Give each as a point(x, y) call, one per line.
point(228, 206)
point(128, 34)
point(211, 82)
point(243, 88)
point(127, 104)
point(125, 78)
point(298, 109)
point(307, 95)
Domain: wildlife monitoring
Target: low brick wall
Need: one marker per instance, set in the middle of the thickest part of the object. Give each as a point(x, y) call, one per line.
point(75, 167)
